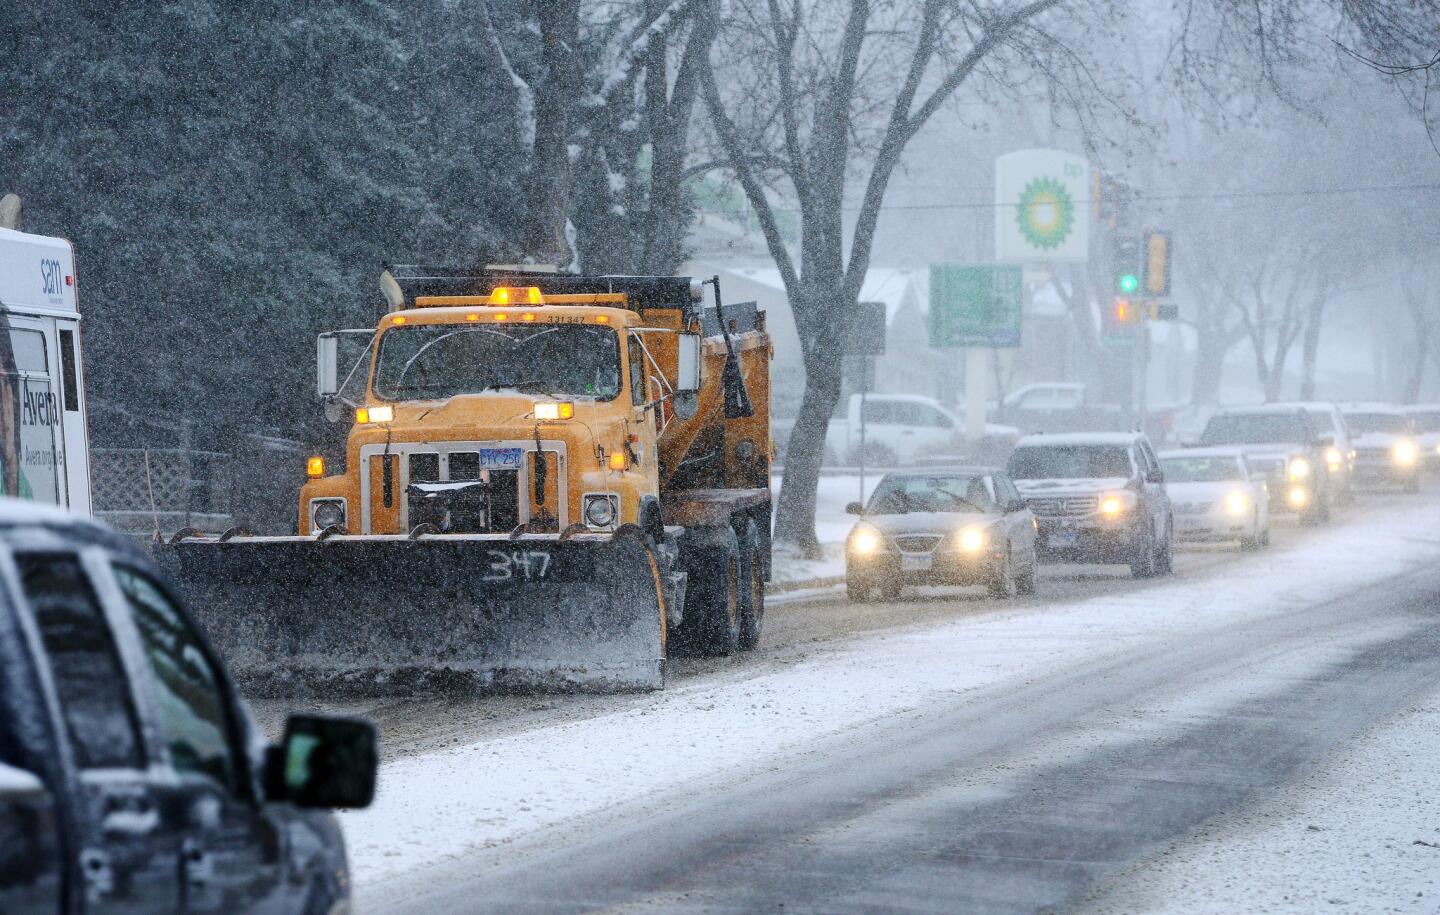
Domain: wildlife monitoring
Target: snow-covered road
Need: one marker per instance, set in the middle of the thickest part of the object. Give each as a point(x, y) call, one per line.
point(446, 819)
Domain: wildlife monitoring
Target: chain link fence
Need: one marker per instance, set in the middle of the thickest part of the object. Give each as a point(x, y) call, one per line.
point(149, 490)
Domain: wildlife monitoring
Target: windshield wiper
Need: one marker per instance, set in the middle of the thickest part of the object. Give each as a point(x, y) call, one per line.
point(961, 499)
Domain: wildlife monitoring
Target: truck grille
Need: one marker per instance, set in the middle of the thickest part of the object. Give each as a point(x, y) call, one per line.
point(1193, 508)
point(917, 543)
point(469, 510)
point(1064, 506)
point(1372, 455)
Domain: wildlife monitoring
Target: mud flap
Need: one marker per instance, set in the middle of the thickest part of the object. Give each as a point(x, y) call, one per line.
point(394, 616)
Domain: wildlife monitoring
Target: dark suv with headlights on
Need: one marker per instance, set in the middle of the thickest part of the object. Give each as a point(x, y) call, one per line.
point(1386, 447)
point(131, 776)
point(940, 526)
point(1097, 497)
point(1284, 443)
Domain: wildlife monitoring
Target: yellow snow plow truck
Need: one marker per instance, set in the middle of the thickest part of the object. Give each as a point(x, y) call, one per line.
point(549, 479)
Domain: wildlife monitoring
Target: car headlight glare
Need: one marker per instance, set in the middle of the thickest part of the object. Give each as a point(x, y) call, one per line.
point(1299, 468)
point(327, 513)
point(1237, 503)
point(973, 539)
point(1297, 496)
point(1405, 453)
point(601, 510)
point(864, 541)
point(1334, 458)
point(1115, 504)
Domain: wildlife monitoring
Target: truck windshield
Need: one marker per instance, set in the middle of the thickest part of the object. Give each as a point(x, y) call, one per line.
point(1255, 429)
point(1387, 423)
point(1201, 469)
point(1069, 462)
point(438, 361)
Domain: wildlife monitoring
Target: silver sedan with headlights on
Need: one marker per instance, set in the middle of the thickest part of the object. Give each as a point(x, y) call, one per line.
point(1386, 448)
point(1217, 497)
point(936, 526)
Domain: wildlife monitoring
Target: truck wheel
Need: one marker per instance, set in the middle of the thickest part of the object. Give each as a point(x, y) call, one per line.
point(752, 580)
point(712, 598)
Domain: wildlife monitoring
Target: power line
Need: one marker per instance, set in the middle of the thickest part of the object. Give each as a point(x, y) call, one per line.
point(1254, 193)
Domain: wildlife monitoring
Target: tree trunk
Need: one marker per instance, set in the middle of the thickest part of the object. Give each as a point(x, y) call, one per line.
point(795, 512)
point(1416, 378)
point(548, 193)
point(1310, 350)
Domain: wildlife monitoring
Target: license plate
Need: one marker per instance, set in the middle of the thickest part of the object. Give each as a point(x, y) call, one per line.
point(1061, 539)
point(500, 458)
point(914, 563)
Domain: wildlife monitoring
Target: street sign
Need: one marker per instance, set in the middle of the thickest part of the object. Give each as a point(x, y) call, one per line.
point(975, 305)
point(1040, 206)
point(867, 332)
point(1156, 255)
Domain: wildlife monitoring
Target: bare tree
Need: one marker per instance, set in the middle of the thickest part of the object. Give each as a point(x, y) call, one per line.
point(818, 95)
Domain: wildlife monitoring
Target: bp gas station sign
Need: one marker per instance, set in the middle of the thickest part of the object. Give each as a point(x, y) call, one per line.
point(1042, 210)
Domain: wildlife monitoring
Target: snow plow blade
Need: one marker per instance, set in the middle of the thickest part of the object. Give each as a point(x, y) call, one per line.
point(387, 615)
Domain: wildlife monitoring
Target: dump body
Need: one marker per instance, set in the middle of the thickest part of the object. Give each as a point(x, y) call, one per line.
point(536, 476)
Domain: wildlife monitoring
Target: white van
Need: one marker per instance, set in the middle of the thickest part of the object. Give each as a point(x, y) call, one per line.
point(44, 453)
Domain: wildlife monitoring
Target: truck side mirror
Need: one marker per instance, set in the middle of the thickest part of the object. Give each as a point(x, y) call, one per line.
point(324, 762)
point(687, 378)
point(327, 364)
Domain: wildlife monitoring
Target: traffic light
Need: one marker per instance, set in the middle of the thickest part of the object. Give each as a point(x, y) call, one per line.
point(1119, 319)
point(1125, 262)
point(1157, 263)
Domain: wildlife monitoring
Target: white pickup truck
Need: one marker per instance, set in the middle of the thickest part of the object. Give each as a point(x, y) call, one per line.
point(904, 429)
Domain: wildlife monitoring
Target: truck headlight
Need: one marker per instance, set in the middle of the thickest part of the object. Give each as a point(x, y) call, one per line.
point(601, 509)
point(1297, 496)
point(1299, 468)
point(326, 513)
point(1334, 458)
point(1405, 453)
point(1237, 503)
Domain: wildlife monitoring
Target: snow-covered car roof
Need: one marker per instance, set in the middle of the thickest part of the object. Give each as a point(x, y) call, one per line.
point(1229, 451)
point(944, 469)
point(1421, 408)
point(1268, 409)
point(1326, 405)
point(20, 516)
point(1389, 408)
point(1081, 438)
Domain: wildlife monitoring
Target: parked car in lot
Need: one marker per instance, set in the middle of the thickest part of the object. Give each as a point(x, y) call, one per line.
point(1097, 497)
point(1337, 442)
point(901, 429)
point(1282, 442)
point(1425, 421)
point(941, 526)
point(132, 779)
point(1217, 497)
point(1386, 449)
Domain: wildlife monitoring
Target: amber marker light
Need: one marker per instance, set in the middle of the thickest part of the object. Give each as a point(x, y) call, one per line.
point(617, 460)
point(315, 467)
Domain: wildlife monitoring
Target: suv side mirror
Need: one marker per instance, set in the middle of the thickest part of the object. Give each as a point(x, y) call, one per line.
point(1155, 475)
point(854, 508)
point(327, 364)
point(323, 762)
point(1016, 505)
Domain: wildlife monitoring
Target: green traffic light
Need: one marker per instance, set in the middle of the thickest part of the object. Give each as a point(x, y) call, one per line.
point(1127, 282)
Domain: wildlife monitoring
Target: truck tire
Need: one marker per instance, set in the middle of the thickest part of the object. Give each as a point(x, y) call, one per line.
point(752, 587)
point(712, 598)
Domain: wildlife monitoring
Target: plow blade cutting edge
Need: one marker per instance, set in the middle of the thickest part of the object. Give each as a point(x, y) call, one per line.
point(381, 615)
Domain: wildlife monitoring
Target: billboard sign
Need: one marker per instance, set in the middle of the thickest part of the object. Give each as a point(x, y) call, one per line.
point(1042, 206)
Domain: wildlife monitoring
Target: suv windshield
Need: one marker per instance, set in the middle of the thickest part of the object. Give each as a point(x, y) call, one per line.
point(1255, 429)
point(1201, 469)
point(900, 494)
point(437, 361)
point(1426, 421)
point(1388, 423)
point(1064, 462)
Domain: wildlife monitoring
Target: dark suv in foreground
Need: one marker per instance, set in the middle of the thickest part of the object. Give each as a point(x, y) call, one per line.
point(1097, 497)
point(131, 776)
